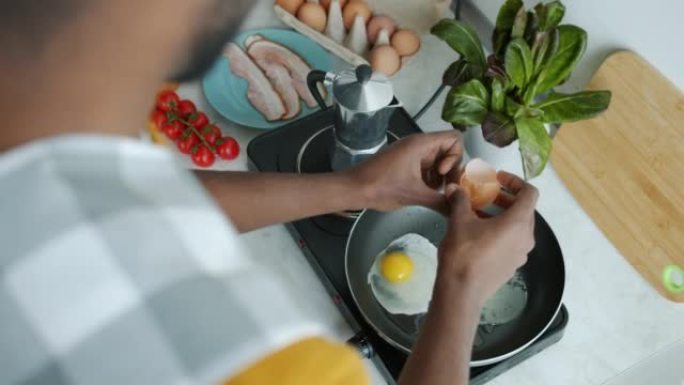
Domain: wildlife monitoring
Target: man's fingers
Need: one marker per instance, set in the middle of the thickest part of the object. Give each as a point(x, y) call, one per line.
point(460, 203)
point(451, 156)
point(433, 199)
point(504, 199)
point(439, 149)
point(510, 182)
point(525, 202)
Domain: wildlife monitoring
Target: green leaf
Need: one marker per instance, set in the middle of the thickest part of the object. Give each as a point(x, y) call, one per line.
point(498, 129)
point(519, 24)
point(532, 27)
point(572, 41)
point(530, 93)
point(551, 50)
point(519, 65)
point(507, 13)
point(550, 15)
point(535, 145)
point(539, 49)
point(498, 95)
point(528, 112)
point(560, 107)
point(504, 24)
point(455, 73)
point(466, 104)
point(460, 72)
point(511, 107)
point(462, 38)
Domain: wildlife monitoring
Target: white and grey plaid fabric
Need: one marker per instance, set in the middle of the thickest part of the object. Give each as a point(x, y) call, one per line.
point(117, 268)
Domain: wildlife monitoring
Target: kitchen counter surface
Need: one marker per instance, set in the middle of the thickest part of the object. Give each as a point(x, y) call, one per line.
point(616, 318)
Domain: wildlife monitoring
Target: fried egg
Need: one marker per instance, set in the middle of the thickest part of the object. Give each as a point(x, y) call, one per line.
point(403, 275)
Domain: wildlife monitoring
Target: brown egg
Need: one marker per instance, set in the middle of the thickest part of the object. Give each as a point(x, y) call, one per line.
point(385, 59)
point(313, 15)
point(326, 3)
point(377, 23)
point(480, 183)
point(290, 6)
point(406, 42)
point(354, 8)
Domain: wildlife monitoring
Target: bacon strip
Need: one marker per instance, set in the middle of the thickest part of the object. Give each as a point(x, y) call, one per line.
point(260, 92)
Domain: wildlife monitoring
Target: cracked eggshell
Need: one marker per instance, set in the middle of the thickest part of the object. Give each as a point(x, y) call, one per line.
point(480, 183)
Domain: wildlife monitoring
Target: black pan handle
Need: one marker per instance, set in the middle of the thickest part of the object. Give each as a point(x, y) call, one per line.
point(312, 79)
point(361, 343)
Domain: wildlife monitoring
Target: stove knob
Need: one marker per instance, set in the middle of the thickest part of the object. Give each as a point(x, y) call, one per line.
point(361, 343)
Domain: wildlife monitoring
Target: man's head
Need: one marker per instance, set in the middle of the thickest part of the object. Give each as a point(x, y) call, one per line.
point(94, 65)
point(29, 26)
point(223, 18)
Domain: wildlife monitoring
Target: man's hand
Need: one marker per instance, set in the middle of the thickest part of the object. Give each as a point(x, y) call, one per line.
point(410, 171)
point(487, 251)
point(476, 257)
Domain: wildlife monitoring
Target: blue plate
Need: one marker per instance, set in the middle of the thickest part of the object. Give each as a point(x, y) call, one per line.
point(227, 93)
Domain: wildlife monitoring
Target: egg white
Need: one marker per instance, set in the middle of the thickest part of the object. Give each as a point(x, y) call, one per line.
point(412, 296)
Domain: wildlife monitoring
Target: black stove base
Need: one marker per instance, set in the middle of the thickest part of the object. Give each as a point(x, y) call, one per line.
point(323, 240)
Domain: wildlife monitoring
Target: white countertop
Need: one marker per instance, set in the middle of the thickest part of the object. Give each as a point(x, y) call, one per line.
point(616, 318)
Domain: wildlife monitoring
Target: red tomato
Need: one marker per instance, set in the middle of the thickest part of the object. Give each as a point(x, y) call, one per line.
point(158, 118)
point(186, 142)
point(167, 100)
point(199, 120)
point(211, 133)
point(186, 107)
point(202, 156)
point(228, 148)
point(173, 129)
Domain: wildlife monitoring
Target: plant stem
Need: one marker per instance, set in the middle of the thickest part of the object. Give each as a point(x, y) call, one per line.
point(196, 132)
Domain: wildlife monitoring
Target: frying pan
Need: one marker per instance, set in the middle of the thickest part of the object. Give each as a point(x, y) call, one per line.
point(544, 276)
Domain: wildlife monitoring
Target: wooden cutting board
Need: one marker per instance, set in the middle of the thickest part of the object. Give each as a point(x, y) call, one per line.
point(626, 167)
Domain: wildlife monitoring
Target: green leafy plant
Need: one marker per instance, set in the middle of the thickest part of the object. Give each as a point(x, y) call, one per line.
point(510, 94)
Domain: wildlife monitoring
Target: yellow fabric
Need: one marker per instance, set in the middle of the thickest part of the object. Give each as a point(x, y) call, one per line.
point(312, 361)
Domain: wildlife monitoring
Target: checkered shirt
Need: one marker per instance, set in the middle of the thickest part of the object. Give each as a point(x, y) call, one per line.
point(116, 267)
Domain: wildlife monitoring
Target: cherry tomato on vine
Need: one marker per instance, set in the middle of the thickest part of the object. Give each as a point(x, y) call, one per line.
point(211, 133)
point(186, 107)
point(173, 129)
point(167, 100)
point(202, 156)
point(227, 148)
point(199, 120)
point(158, 118)
point(186, 142)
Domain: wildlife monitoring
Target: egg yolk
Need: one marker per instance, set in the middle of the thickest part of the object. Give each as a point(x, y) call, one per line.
point(396, 267)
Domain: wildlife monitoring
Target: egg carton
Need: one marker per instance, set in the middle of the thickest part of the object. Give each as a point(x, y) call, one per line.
point(324, 41)
point(329, 44)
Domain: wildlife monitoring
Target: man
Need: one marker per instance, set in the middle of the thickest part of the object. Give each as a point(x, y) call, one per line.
point(117, 266)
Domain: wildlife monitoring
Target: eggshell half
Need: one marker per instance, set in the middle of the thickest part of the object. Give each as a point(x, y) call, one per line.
point(480, 183)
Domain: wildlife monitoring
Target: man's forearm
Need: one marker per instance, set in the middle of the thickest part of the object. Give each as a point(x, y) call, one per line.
point(441, 354)
point(254, 200)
